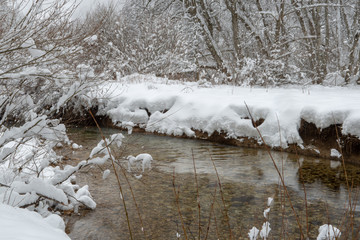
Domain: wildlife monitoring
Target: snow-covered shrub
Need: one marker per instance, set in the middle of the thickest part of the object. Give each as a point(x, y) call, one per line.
point(27, 160)
point(138, 40)
point(265, 72)
point(29, 175)
point(334, 79)
point(36, 81)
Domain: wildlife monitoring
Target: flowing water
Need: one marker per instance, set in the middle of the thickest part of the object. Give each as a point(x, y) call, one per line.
point(247, 177)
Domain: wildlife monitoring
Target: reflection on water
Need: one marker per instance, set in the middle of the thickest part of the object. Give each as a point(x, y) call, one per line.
point(247, 175)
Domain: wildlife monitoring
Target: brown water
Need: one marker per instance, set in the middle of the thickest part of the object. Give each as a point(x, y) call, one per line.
point(247, 176)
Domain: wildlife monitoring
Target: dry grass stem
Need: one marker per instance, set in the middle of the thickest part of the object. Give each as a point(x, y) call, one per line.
point(197, 195)
point(177, 193)
point(211, 212)
point(225, 212)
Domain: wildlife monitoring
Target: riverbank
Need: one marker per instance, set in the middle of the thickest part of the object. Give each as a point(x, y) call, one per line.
point(307, 120)
point(317, 142)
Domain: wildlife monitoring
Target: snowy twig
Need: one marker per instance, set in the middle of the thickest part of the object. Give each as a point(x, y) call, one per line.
point(115, 171)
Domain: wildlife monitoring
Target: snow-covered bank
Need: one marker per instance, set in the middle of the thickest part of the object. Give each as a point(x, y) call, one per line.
point(174, 108)
point(17, 223)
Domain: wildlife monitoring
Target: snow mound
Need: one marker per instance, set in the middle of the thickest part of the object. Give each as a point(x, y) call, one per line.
point(16, 223)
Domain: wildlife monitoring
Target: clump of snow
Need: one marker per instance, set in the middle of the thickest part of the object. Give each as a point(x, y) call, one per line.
point(102, 149)
point(139, 163)
point(42, 188)
point(76, 146)
point(128, 125)
point(87, 201)
point(266, 213)
point(99, 149)
point(137, 116)
point(335, 153)
point(328, 232)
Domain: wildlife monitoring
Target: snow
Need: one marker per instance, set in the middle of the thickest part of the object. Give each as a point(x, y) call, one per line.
point(335, 153)
point(91, 39)
point(157, 105)
point(142, 161)
point(30, 45)
point(174, 111)
point(265, 230)
point(75, 89)
point(56, 221)
point(16, 223)
point(40, 187)
point(253, 233)
point(87, 201)
point(76, 146)
point(266, 213)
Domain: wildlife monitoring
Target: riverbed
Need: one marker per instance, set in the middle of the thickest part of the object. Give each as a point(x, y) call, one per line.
point(247, 178)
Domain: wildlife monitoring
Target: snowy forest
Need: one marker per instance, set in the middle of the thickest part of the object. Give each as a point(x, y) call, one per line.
point(238, 42)
point(260, 73)
point(253, 43)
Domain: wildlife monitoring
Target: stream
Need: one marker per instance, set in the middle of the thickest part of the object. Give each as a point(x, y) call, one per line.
point(247, 176)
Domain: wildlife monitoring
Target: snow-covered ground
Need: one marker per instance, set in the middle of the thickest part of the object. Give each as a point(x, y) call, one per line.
point(175, 108)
